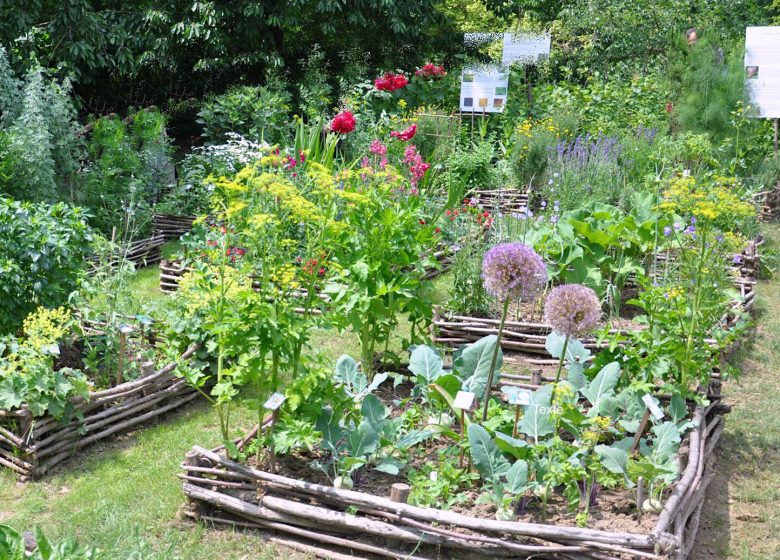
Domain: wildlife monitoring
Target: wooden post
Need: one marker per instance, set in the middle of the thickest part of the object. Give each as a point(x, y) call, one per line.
point(640, 497)
point(776, 135)
point(192, 459)
point(640, 431)
point(399, 492)
point(517, 419)
point(271, 448)
point(536, 377)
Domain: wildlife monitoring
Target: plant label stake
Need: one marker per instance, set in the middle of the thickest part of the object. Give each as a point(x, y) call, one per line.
point(464, 400)
point(651, 408)
point(273, 403)
point(640, 496)
point(124, 330)
point(517, 397)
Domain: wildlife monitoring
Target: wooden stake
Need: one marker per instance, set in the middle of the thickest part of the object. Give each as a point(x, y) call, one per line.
point(640, 431)
point(776, 138)
point(399, 492)
point(462, 436)
point(640, 497)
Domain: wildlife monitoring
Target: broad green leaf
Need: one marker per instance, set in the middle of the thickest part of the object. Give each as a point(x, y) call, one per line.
point(362, 441)
point(614, 459)
point(331, 431)
point(488, 460)
point(667, 440)
point(677, 408)
point(518, 448)
point(391, 466)
point(426, 364)
point(602, 387)
point(536, 421)
point(517, 477)
point(474, 364)
point(373, 411)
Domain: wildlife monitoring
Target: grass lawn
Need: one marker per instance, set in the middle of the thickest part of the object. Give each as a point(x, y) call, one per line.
point(124, 497)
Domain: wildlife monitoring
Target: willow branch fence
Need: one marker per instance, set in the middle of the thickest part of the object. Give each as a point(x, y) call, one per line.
point(349, 524)
point(31, 446)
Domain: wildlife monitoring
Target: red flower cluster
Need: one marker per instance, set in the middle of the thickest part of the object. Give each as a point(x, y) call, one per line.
point(235, 253)
point(343, 123)
point(482, 217)
point(390, 82)
point(405, 135)
point(431, 72)
point(310, 267)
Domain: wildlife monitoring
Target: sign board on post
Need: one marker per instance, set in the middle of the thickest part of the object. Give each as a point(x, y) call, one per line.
point(525, 48)
point(483, 89)
point(762, 70)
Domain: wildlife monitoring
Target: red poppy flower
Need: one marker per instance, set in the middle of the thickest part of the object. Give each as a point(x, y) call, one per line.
point(343, 123)
point(405, 135)
point(431, 71)
point(390, 82)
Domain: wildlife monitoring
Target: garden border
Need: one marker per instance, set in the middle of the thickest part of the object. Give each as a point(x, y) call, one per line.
point(172, 226)
point(452, 329)
point(32, 446)
point(223, 492)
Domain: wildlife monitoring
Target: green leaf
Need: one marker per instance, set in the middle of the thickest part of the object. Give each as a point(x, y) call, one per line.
point(426, 364)
point(11, 390)
point(667, 440)
point(362, 441)
point(602, 387)
point(331, 431)
point(518, 448)
point(517, 477)
point(373, 411)
point(488, 460)
point(474, 364)
point(391, 466)
point(677, 408)
point(614, 459)
point(536, 421)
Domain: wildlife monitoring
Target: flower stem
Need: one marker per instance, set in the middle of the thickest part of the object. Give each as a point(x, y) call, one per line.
point(496, 350)
point(563, 357)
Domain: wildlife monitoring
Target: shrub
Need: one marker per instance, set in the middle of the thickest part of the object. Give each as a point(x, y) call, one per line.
point(129, 168)
point(256, 113)
point(42, 253)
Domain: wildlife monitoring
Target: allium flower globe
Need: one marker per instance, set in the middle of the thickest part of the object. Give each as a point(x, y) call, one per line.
point(513, 270)
point(572, 310)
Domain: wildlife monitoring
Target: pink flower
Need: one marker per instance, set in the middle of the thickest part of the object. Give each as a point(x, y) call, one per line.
point(431, 71)
point(343, 123)
point(417, 167)
point(572, 309)
point(405, 135)
point(378, 148)
point(390, 82)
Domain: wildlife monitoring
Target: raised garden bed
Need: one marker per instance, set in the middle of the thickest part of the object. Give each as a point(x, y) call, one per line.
point(452, 329)
point(338, 523)
point(171, 226)
point(505, 201)
point(32, 446)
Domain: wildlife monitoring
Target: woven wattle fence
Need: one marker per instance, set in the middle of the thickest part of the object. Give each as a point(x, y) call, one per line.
point(31, 446)
point(341, 524)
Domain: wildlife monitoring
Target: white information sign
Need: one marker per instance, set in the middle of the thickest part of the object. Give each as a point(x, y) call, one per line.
point(651, 405)
point(274, 401)
point(525, 48)
point(483, 90)
point(762, 70)
point(464, 400)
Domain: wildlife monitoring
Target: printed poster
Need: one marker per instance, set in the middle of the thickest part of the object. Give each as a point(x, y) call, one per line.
point(762, 70)
point(483, 90)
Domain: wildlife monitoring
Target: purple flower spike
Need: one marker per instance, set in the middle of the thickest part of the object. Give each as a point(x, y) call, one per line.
point(572, 309)
point(515, 270)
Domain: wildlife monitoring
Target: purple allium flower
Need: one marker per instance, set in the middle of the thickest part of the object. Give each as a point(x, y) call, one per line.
point(667, 231)
point(572, 309)
point(513, 269)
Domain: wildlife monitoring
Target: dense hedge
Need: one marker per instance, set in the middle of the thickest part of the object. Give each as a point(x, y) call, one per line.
point(43, 251)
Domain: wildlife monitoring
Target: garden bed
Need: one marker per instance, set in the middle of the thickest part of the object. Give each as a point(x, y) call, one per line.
point(451, 329)
point(505, 201)
point(32, 446)
point(337, 523)
point(171, 226)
